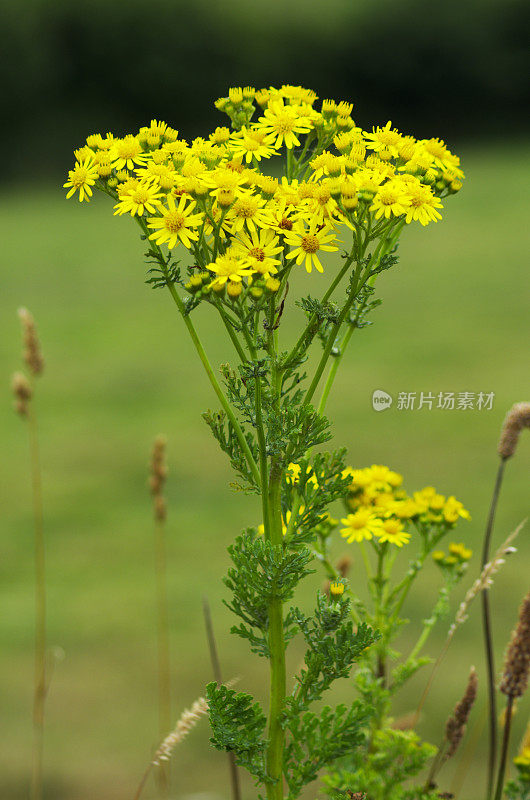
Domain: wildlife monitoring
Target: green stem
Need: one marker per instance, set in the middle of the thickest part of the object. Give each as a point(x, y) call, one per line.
point(231, 332)
point(310, 330)
point(334, 367)
point(504, 751)
point(215, 384)
point(333, 335)
point(263, 467)
point(276, 733)
point(435, 766)
point(277, 652)
point(207, 367)
point(366, 560)
point(338, 358)
point(422, 638)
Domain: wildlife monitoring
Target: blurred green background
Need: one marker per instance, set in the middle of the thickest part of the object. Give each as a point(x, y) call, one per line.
point(119, 368)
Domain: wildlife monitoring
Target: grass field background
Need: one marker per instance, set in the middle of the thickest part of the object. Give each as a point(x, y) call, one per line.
point(119, 370)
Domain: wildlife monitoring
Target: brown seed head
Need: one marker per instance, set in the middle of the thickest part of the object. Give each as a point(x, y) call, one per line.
point(158, 477)
point(517, 418)
point(343, 565)
point(22, 391)
point(456, 724)
point(32, 353)
point(517, 661)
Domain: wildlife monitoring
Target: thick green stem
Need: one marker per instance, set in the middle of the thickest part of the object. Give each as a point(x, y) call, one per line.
point(277, 652)
point(263, 466)
point(275, 610)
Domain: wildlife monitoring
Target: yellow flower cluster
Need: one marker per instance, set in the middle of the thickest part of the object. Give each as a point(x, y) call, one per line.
point(211, 197)
point(458, 554)
point(381, 509)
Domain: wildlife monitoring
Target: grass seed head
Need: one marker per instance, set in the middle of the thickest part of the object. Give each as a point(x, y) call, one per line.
point(456, 724)
point(518, 417)
point(32, 354)
point(517, 661)
point(22, 391)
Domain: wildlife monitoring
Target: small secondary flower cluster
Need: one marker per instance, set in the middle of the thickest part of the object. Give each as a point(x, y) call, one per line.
point(381, 509)
point(211, 197)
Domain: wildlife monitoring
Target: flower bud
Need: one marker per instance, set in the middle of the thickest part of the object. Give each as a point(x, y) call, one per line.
point(225, 198)
point(233, 289)
point(350, 203)
point(272, 284)
point(336, 590)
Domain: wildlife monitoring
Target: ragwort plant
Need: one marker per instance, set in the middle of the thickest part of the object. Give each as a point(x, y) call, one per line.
point(221, 232)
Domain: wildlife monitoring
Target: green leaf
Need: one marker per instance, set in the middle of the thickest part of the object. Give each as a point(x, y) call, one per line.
point(238, 725)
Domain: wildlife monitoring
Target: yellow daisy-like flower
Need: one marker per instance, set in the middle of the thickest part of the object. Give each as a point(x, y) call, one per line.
point(384, 478)
point(390, 200)
point(176, 223)
point(307, 242)
point(360, 478)
point(248, 210)
point(392, 531)
point(165, 176)
point(423, 204)
point(386, 138)
point(283, 123)
point(404, 509)
point(228, 267)
point(220, 135)
point(127, 152)
point(259, 248)
point(139, 199)
point(249, 143)
point(360, 526)
point(453, 509)
point(225, 180)
point(298, 94)
point(81, 178)
point(438, 151)
point(460, 551)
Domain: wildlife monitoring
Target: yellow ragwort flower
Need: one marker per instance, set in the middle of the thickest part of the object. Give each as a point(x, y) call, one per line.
point(81, 179)
point(176, 223)
point(360, 526)
point(307, 242)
